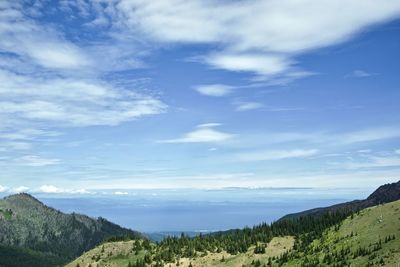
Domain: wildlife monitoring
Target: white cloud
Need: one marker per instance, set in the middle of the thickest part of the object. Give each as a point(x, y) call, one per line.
point(81, 191)
point(329, 138)
point(3, 189)
point(41, 45)
point(214, 89)
point(20, 189)
point(71, 102)
point(263, 65)
point(209, 125)
point(361, 74)
point(50, 189)
point(245, 106)
point(57, 55)
point(26, 134)
point(120, 193)
point(9, 146)
point(204, 133)
point(255, 36)
point(275, 154)
point(37, 161)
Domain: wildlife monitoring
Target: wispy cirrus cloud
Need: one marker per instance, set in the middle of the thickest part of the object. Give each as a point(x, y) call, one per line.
point(72, 102)
point(7, 146)
point(266, 36)
point(45, 77)
point(204, 133)
point(264, 155)
point(369, 135)
point(360, 74)
point(42, 45)
point(375, 162)
point(367, 159)
point(36, 44)
point(17, 134)
point(214, 89)
point(246, 106)
point(36, 161)
point(327, 138)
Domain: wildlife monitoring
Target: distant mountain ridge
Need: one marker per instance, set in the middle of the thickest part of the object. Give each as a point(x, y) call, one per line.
point(384, 194)
point(27, 223)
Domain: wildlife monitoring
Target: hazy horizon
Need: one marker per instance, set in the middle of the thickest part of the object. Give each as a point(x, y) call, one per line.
point(194, 210)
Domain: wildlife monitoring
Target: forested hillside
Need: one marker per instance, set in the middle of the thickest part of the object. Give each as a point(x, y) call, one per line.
point(36, 231)
point(222, 248)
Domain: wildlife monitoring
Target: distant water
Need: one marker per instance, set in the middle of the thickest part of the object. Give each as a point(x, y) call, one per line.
point(198, 210)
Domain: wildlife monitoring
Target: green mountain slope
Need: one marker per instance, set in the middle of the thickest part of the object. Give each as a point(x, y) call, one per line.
point(27, 223)
point(367, 238)
point(124, 253)
point(370, 237)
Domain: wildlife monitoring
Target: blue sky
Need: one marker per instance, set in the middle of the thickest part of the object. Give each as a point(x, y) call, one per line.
point(118, 95)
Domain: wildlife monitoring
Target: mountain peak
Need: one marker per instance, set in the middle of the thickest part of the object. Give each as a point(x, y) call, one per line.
point(23, 197)
point(386, 193)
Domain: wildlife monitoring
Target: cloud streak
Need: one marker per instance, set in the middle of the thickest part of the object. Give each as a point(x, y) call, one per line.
point(360, 74)
point(265, 155)
point(246, 106)
point(214, 89)
point(204, 133)
point(36, 161)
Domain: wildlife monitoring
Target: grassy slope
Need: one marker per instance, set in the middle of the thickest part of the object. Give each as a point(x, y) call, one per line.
point(117, 254)
point(276, 247)
point(368, 227)
point(111, 254)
